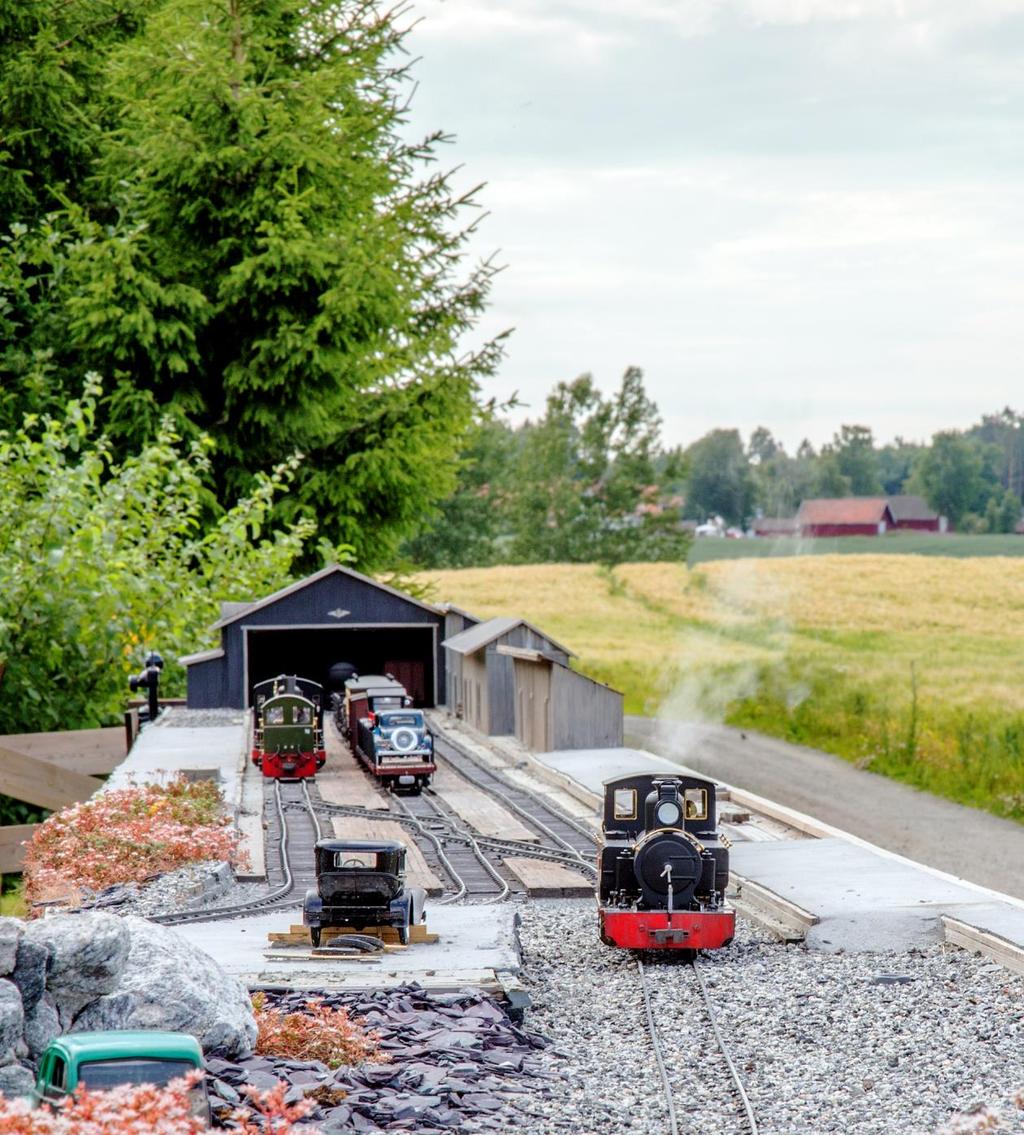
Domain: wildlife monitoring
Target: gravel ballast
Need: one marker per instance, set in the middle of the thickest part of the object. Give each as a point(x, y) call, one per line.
point(863, 1044)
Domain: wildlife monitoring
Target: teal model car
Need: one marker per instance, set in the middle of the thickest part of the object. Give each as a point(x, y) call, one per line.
point(103, 1060)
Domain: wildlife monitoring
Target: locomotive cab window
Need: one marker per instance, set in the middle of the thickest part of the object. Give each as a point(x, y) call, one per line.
point(624, 805)
point(696, 801)
point(275, 715)
point(302, 716)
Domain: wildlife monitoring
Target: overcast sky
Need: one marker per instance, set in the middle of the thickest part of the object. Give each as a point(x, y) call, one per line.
point(791, 213)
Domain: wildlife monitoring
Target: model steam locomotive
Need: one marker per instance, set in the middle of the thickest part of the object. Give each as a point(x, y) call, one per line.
point(663, 866)
point(288, 727)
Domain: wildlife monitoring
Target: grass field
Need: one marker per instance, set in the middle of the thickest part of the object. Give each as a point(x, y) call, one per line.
point(894, 544)
point(910, 665)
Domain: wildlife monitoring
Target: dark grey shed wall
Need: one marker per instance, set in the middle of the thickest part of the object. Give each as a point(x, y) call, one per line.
point(584, 713)
point(206, 684)
point(501, 675)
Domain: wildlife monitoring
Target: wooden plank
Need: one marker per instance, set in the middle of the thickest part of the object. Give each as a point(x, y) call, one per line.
point(40, 783)
point(12, 853)
point(94, 752)
point(549, 880)
point(1008, 954)
point(343, 780)
point(310, 956)
point(481, 811)
point(417, 871)
point(298, 935)
point(771, 911)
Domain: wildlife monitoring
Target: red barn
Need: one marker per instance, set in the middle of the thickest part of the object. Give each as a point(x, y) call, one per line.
point(845, 516)
point(914, 514)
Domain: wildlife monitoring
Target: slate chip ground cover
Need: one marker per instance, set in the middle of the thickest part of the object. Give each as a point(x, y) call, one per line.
point(125, 836)
point(452, 1062)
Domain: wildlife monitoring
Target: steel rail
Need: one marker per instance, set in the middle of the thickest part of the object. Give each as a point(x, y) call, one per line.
point(409, 820)
point(523, 813)
point(312, 811)
point(659, 1056)
point(271, 901)
point(474, 846)
point(724, 1049)
point(521, 848)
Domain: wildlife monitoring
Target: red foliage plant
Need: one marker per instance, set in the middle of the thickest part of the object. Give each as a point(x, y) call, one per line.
point(145, 1108)
point(125, 835)
point(318, 1033)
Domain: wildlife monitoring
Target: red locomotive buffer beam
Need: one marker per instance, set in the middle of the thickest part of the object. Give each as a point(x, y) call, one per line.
point(659, 930)
point(286, 766)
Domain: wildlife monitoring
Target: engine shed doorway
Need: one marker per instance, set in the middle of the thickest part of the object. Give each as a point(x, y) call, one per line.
point(407, 651)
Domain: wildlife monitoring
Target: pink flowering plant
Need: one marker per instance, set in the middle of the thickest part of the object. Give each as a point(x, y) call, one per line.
point(125, 836)
point(146, 1108)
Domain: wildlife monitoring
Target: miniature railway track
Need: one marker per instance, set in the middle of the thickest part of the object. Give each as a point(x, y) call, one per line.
point(452, 846)
point(295, 828)
point(573, 837)
point(663, 1060)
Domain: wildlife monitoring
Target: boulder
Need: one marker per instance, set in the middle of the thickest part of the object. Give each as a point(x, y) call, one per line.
point(88, 954)
point(12, 1017)
point(16, 1080)
point(41, 1025)
point(10, 936)
point(168, 983)
point(30, 971)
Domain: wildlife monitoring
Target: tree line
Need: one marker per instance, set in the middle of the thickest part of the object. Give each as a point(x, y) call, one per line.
point(591, 479)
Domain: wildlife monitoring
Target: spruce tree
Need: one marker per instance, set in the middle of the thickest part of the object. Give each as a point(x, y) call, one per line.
point(259, 250)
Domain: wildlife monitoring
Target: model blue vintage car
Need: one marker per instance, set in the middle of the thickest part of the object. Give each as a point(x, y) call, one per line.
point(398, 747)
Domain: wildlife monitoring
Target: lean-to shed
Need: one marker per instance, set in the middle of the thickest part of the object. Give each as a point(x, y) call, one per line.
point(481, 682)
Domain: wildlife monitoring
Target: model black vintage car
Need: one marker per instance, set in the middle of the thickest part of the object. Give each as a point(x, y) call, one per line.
point(361, 883)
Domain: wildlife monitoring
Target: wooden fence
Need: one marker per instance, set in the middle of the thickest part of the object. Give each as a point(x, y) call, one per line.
point(52, 770)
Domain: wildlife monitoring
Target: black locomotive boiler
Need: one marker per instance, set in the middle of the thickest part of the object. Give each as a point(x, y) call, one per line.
point(663, 866)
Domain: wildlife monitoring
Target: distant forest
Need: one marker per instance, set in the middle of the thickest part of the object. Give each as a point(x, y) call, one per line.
point(591, 480)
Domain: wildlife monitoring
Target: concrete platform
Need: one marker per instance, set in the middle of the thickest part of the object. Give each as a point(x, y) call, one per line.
point(476, 944)
point(855, 896)
point(163, 749)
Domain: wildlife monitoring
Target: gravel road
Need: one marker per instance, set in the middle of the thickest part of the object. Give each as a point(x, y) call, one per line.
point(827, 1044)
point(963, 841)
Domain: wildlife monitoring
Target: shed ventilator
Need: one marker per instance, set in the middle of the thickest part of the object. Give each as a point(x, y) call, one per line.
point(724, 1049)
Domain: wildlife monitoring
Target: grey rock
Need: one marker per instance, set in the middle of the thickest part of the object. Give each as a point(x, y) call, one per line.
point(41, 1025)
point(16, 1080)
point(167, 983)
point(12, 1016)
point(89, 952)
point(11, 930)
point(30, 971)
